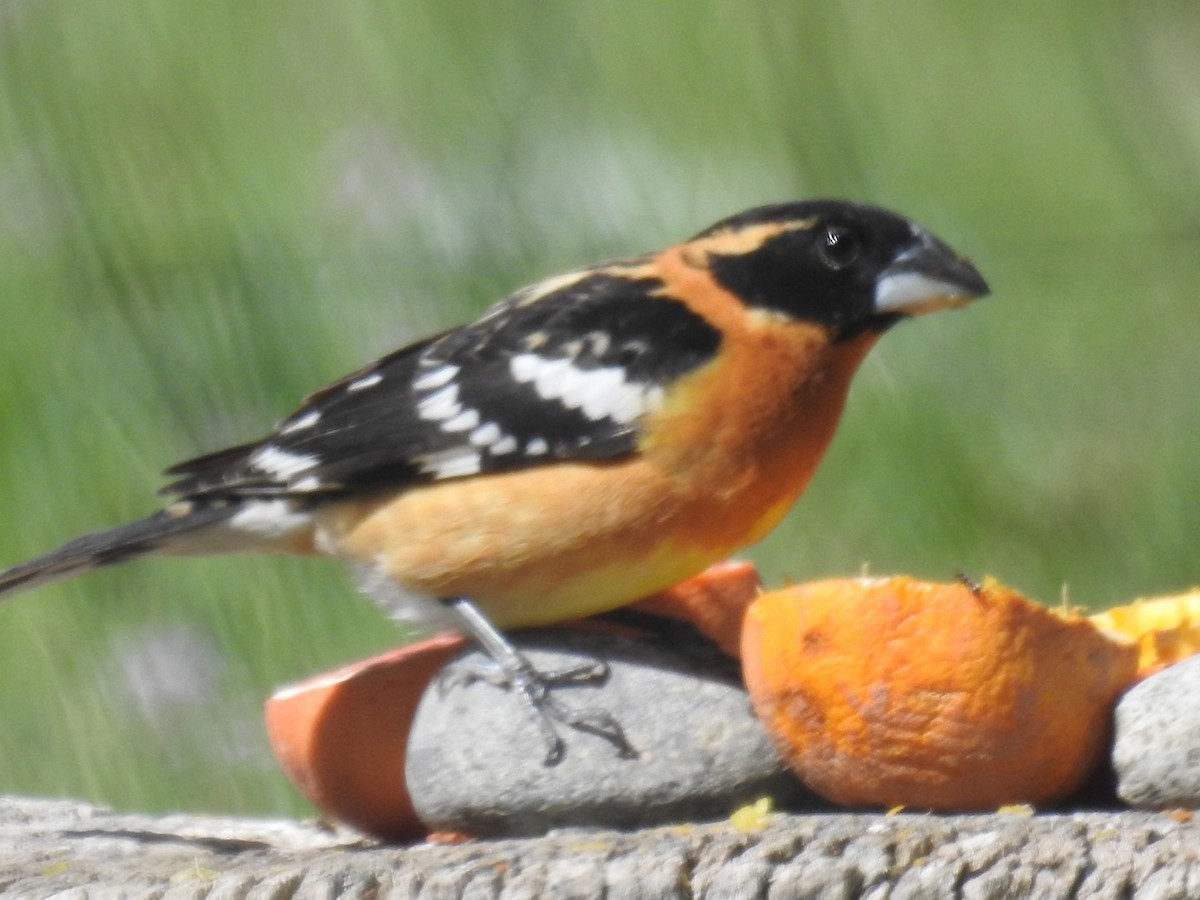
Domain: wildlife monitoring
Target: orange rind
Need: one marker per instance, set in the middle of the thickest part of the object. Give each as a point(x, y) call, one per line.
point(884, 692)
point(341, 737)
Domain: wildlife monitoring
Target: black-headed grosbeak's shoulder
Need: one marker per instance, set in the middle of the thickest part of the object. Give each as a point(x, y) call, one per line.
point(578, 422)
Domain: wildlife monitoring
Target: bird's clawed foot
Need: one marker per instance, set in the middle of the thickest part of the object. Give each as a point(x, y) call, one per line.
point(513, 670)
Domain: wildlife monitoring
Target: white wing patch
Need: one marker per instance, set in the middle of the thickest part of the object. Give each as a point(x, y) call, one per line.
point(367, 381)
point(464, 421)
point(452, 463)
point(308, 420)
point(600, 393)
point(441, 404)
point(280, 463)
point(270, 518)
point(436, 378)
point(486, 435)
point(503, 445)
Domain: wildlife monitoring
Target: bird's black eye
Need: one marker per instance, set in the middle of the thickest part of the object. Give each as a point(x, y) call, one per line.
point(838, 248)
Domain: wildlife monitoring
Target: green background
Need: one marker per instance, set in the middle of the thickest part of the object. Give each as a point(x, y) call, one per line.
point(209, 209)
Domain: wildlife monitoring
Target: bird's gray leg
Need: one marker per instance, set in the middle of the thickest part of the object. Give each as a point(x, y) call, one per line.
point(535, 688)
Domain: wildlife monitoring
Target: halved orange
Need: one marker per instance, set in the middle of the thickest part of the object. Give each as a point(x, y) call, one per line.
point(896, 692)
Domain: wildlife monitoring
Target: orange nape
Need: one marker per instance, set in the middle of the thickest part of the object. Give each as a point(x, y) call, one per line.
point(884, 692)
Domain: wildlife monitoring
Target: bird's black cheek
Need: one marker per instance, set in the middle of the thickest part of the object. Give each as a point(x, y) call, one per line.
point(802, 288)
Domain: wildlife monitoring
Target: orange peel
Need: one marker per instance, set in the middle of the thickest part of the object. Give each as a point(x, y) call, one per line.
point(341, 737)
point(895, 692)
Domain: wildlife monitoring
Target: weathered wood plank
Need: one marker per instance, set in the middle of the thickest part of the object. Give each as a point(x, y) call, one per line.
point(63, 849)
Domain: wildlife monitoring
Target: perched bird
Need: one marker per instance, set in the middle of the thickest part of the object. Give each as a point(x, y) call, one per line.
point(592, 438)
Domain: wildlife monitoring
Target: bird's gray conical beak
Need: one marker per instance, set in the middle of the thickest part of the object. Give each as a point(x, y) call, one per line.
point(925, 276)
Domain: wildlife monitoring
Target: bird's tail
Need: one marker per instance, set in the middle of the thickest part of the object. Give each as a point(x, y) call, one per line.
point(166, 530)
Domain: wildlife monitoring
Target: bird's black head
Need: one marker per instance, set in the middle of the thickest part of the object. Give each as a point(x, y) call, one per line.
point(844, 265)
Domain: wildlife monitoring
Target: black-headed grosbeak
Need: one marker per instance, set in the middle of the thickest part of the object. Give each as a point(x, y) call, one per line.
point(591, 439)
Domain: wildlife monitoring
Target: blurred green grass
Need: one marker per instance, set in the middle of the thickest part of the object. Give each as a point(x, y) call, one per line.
point(208, 210)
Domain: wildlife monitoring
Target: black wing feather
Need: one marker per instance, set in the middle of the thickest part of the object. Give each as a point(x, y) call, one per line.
point(387, 424)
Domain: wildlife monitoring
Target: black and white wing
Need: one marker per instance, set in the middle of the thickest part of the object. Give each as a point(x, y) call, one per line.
point(564, 369)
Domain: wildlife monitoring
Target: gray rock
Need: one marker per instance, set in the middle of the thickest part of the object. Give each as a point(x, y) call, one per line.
point(1156, 747)
point(476, 756)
